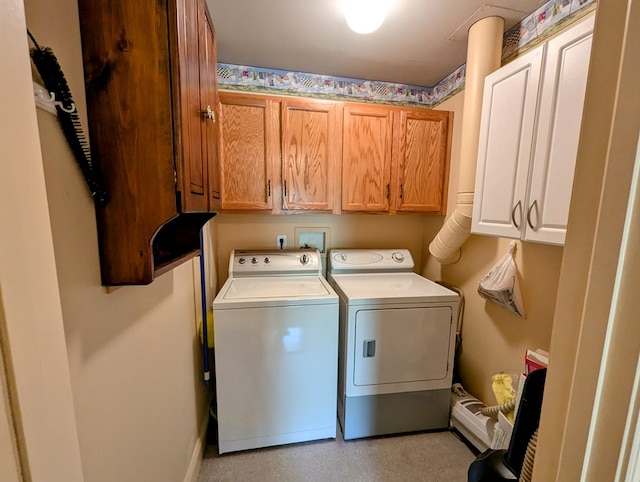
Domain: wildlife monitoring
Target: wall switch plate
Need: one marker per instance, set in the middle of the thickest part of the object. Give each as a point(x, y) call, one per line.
point(281, 241)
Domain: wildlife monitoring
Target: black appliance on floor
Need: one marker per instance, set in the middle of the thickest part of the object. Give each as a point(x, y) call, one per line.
point(498, 465)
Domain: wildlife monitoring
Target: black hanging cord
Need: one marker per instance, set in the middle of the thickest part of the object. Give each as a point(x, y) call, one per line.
point(55, 82)
point(33, 39)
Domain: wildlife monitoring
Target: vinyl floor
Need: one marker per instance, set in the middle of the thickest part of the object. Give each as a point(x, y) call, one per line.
point(429, 457)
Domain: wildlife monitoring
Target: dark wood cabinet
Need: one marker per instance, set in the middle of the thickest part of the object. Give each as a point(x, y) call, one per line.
point(150, 78)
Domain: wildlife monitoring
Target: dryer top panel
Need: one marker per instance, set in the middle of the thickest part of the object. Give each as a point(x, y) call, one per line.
point(378, 288)
point(370, 261)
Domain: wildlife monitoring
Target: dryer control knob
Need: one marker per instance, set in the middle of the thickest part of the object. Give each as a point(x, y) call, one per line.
point(267, 260)
point(254, 261)
point(304, 259)
point(242, 261)
point(398, 257)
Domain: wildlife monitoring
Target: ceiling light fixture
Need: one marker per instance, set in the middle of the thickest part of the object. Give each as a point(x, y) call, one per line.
point(365, 16)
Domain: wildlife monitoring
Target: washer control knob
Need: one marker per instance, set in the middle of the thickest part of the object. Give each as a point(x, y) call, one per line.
point(254, 261)
point(343, 257)
point(397, 257)
point(304, 259)
point(242, 261)
point(267, 260)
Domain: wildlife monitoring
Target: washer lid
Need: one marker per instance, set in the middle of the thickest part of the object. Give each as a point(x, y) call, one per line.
point(274, 291)
point(391, 288)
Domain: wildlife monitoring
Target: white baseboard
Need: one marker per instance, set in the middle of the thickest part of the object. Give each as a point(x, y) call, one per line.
point(198, 451)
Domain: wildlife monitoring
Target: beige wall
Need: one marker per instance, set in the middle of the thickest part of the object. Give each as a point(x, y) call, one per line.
point(31, 332)
point(133, 354)
point(243, 231)
point(494, 340)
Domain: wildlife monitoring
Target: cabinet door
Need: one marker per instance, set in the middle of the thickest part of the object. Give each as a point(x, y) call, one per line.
point(559, 120)
point(505, 146)
point(209, 103)
point(311, 135)
point(421, 150)
point(366, 159)
point(191, 167)
point(248, 148)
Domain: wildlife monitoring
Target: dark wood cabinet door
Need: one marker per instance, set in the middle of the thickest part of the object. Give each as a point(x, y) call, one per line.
point(191, 166)
point(209, 100)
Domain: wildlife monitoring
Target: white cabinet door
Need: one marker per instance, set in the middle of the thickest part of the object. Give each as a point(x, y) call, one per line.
point(506, 138)
point(559, 120)
point(529, 136)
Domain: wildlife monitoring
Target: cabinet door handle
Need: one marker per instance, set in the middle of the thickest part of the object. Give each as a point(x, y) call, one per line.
point(401, 190)
point(518, 206)
point(208, 114)
point(535, 203)
point(285, 188)
point(269, 188)
point(388, 191)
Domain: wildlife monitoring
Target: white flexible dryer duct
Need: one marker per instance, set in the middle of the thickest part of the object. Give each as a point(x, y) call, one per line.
point(484, 53)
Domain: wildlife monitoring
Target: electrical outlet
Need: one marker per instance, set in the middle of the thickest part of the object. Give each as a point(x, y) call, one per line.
point(281, 241)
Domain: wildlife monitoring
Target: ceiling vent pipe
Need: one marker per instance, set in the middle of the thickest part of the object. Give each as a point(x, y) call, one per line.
point(484, 54)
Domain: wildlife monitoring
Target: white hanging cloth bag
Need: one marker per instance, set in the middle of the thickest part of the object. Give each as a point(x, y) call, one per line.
point(500, 284)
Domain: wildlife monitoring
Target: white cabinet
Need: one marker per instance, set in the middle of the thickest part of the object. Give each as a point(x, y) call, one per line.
point(505, 147)
point(531, 118)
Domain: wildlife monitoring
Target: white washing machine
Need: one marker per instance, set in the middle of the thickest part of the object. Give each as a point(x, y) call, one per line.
point(276, 355)
point(397, 338)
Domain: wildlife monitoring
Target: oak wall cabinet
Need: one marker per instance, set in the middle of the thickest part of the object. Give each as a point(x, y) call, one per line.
point(529, 133)
point(421, 156)
point(395, 159)
point(366, 158)
point(279, 154)
point(311, 149)
point(294, 155)
point(151, 84)
point(249, 151)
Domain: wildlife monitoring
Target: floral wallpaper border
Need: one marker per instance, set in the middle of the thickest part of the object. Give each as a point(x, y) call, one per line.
point(532, 30)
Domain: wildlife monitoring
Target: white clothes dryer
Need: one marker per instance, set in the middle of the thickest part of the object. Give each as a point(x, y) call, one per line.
point(397, 340)
point(276, 350)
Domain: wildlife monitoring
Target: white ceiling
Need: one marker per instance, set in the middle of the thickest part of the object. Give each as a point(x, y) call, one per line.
point(420, 42)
